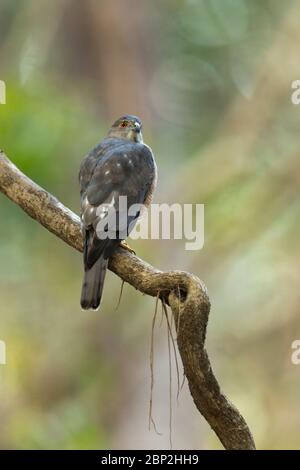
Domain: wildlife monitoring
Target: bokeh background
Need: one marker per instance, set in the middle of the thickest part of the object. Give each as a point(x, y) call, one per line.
point(211, 80)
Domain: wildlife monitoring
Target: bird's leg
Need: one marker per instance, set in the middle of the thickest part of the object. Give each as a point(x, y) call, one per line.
point(125, 245)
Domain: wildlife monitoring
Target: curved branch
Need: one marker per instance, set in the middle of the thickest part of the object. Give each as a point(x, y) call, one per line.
point(190, 308)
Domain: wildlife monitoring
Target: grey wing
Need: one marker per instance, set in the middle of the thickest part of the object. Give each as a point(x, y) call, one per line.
point(123, 170)
point(88, 166)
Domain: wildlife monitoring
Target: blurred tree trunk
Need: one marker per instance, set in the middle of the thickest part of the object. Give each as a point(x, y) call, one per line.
point(113, 53)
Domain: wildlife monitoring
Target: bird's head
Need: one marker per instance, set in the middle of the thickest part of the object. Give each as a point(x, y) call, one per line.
point(127, 127)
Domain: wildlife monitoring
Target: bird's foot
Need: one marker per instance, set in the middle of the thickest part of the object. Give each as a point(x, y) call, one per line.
point(125, 245)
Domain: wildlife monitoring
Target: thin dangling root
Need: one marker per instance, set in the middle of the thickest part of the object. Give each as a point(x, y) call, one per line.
point(173, 345)
point(151, 420)
point(120, 296)
point(183, 381)
point(162, 314)
point(170, 384)
point(179, 310)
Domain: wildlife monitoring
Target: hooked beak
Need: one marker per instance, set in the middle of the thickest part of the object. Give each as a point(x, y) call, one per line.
point(137, 127)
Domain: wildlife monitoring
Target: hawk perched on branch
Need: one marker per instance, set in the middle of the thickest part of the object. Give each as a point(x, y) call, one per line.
point(121, 165)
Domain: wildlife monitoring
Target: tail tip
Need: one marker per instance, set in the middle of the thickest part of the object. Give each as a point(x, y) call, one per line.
point(86, 305)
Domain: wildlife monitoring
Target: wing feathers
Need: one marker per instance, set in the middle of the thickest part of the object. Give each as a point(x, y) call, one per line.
point(115, 168)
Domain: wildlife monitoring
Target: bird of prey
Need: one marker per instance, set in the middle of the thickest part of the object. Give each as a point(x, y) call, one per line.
point(121, 165)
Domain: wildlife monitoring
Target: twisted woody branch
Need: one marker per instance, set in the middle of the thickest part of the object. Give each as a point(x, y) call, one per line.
point(184, 292)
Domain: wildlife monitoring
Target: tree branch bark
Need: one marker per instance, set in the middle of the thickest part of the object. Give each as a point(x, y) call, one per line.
point(190, 309)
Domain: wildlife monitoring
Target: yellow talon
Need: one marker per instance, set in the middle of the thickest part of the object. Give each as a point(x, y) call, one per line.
point(125, 245)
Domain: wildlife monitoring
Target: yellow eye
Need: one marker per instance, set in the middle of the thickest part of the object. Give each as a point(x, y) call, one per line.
point(124, 124)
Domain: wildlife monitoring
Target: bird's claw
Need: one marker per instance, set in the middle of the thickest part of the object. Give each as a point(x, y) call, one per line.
point(125, 245)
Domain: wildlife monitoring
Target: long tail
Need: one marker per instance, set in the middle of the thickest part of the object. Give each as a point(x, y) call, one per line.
point(92, 285)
